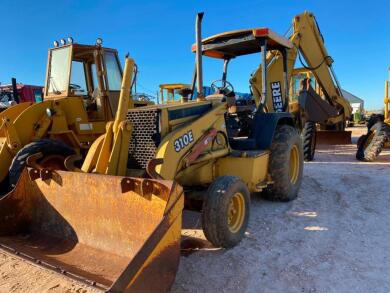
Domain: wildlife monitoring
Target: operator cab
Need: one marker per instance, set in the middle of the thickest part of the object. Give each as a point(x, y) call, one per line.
point(242, 116)
point(90, 72)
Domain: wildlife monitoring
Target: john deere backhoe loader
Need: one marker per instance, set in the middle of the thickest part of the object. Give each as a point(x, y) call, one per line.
point(330, 109)
point(371, 144)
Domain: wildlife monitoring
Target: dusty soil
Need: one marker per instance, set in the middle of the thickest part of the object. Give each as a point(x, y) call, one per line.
point(334, 238)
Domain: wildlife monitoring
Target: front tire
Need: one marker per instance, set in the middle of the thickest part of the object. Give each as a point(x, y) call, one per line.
point(225, 212)
point(285, 165)
point(47, 147)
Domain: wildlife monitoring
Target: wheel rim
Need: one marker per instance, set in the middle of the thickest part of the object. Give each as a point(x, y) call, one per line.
point(294, 164)
point(236, 212)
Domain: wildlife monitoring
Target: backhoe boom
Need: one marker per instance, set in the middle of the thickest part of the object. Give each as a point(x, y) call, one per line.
point(307, 42)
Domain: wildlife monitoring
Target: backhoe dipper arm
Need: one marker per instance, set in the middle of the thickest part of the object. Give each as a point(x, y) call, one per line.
point(308, 42)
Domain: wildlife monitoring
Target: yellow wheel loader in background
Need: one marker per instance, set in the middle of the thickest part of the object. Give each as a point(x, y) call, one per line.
point(81, 95)
point(114, 232)
point(94, 203)
point(173, 92)
point(371, 144)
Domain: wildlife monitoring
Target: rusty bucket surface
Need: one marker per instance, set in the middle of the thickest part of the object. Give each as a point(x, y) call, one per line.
point(116, 233)
point(333, 137)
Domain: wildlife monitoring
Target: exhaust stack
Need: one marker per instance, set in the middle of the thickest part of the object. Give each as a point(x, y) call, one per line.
point(199, 69)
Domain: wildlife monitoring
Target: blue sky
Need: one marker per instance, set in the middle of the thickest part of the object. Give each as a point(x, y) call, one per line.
point(159, 34)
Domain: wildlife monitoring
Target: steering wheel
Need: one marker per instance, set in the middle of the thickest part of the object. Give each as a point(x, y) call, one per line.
point(75, 87)
point(225, 88)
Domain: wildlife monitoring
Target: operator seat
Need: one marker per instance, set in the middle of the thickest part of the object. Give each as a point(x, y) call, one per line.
point(254, 141)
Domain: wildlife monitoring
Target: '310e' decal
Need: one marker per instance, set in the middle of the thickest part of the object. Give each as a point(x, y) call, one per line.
point(183, 141)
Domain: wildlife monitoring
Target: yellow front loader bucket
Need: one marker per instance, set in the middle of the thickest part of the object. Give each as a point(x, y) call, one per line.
point(116, 233)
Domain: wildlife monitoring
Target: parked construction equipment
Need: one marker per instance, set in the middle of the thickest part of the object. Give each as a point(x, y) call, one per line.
point(173, 92)
point(193, 144)
point(114, 232)
point(75, 109)
point(122, 233)
point(326, 107)
point(371, 144)
point(15, 93)
point(317, 130)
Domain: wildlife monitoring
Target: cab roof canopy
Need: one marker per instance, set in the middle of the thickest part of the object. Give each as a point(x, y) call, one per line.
point(83, 52)
point(174, 86)
point(241, 42)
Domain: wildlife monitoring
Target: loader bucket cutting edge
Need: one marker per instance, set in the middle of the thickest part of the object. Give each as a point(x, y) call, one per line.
point(116, 233)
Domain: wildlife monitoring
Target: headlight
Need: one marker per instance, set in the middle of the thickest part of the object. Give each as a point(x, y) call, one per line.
point(99, 41)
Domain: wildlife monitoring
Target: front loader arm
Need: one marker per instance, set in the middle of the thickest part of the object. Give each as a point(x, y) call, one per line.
point(109, 153)
point(176, 147)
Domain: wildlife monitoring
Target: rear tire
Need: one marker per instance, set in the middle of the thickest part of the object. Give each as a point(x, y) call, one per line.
point(225, 212)
point(47, 147)
point(371, 144)
point(309, 137)
point(285, 165)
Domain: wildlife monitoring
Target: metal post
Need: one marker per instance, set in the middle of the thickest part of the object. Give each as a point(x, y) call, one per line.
point(285, 76)
point(161, 95)
point(263, 45)
point(193, 82)
point(15, 90)
point(199, 70)
point(386, 99)
point(224, 74)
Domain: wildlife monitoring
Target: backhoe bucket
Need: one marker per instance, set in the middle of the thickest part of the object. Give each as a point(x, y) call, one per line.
point(116, 233)
point(315, 108)
point(333, 137)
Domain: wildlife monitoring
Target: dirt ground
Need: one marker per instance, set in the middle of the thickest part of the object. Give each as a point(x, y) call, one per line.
point(335, 237)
